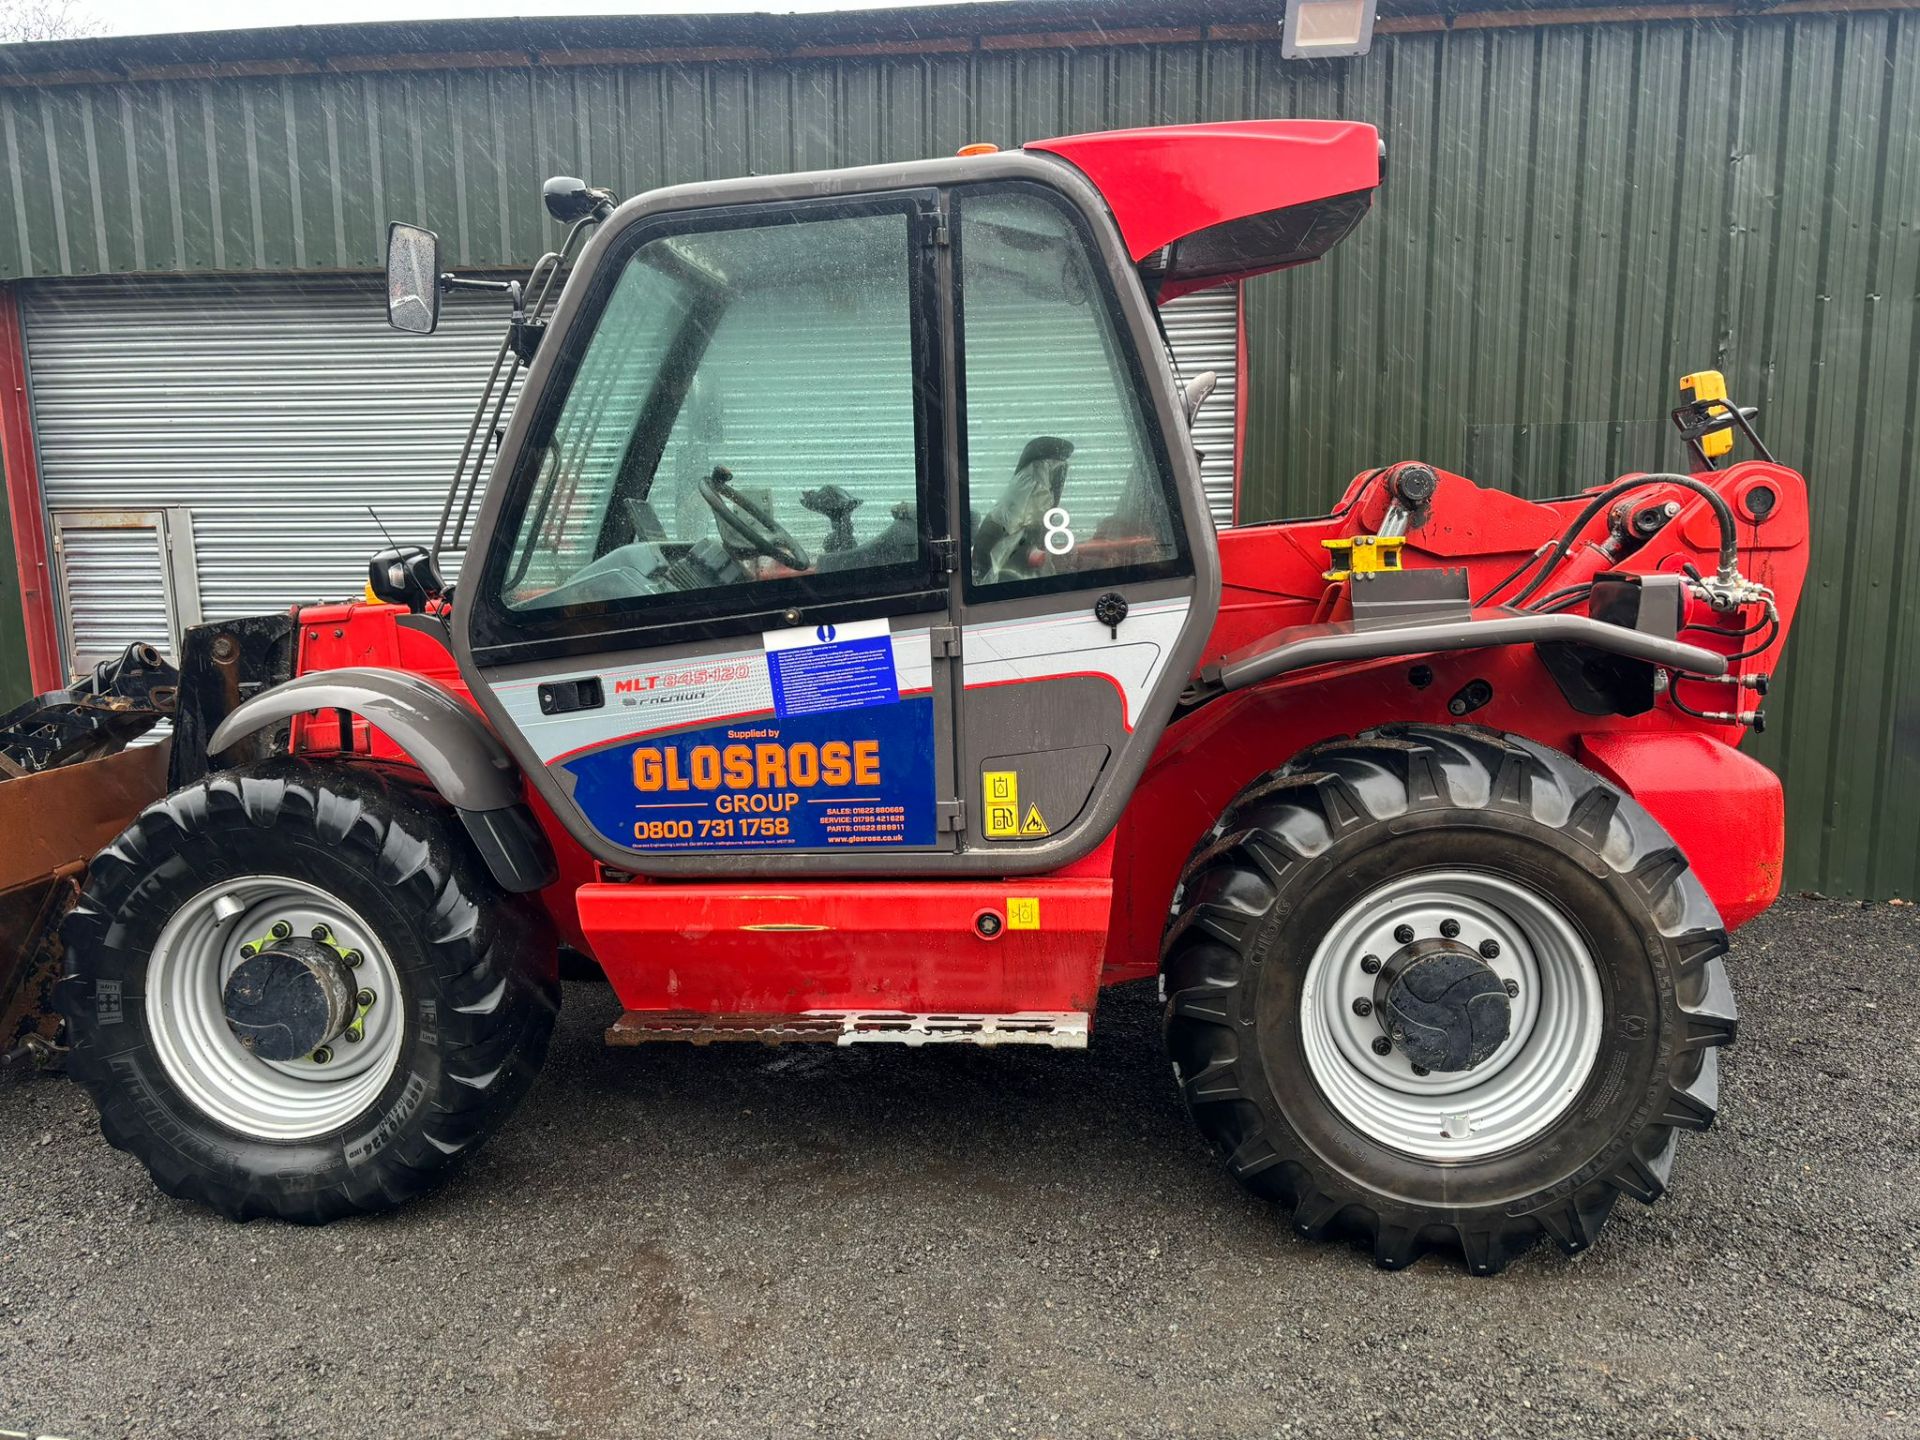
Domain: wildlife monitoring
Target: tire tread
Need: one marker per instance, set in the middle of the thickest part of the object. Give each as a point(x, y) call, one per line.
point(1242, 868)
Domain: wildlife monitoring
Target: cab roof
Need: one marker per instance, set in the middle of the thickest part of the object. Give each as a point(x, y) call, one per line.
point(1200, 205)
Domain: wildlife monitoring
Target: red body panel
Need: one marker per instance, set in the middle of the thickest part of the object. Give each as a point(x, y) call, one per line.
point(1733, 824)
point(887, 945)
point(1723, 809)
point(912, 945)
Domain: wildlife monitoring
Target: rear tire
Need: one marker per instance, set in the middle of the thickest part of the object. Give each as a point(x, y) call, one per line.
point(1513, 838)
point(461, 975)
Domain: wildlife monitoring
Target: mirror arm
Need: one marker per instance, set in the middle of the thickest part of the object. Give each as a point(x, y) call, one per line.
point(461, 282)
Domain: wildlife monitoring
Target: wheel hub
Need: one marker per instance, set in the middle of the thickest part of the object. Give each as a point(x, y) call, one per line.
point(1442, 1005)
point(219, 931)
point(289, 999)
point(1365, 975)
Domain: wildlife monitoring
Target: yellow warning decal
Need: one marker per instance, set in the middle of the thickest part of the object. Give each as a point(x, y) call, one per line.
point(1023, 912)
point(1000, 793)
point(1035, 823)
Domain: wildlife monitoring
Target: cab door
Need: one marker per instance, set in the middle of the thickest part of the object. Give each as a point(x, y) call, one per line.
point(1087, 567)
point(844, 532)
point(710, 610)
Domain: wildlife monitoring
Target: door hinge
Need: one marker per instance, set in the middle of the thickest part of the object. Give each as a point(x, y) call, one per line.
point(950, 817)
point(946, 551)
point(937, 233)
point(945, 640)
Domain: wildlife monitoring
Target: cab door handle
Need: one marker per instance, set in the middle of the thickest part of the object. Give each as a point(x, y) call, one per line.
point(563, 697)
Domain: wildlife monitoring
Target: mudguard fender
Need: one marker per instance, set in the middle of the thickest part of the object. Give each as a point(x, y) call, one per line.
point(1723, 809)
point(445, 737)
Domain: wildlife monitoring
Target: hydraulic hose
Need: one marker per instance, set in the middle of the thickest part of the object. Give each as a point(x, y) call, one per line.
point(1723, 512)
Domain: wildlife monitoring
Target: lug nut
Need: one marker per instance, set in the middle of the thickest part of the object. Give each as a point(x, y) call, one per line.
point(249, 950)
point(1513, 987)
point(323, 1055)
point(1421, 1070)
point(321, 933)
point(363, 997)
point(1382, 1045)
point(1450, 929)
point(281, 930)
point(352, 1036)
point(1363, 1006)
point(354, 958)
point(1489, 949)
point(1370, 964)
point(1404, 934)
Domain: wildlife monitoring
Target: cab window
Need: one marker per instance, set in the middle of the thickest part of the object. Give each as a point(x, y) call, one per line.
point(743, 414)
point(1064, 486)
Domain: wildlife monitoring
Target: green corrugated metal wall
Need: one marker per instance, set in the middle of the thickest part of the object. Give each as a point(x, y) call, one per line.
point(1573, 216)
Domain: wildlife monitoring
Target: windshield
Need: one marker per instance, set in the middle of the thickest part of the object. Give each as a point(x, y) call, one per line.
point(743, 410)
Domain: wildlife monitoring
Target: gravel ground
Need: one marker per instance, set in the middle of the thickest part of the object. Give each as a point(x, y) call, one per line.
point(740, 1242)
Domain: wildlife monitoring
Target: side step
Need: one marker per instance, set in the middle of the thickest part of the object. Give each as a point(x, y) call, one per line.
point(1060, 1029)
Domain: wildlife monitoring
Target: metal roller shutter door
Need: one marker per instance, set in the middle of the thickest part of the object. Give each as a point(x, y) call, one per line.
point(1204, 330)
point(276, 411)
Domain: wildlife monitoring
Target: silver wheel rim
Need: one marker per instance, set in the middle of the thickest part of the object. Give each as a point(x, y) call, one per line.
point(1516, 1092)
point(187, 974)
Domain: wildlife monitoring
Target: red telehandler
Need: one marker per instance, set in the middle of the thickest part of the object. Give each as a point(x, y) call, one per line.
point(843, 652)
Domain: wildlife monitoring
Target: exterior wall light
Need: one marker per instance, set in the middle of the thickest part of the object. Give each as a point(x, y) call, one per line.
point(1326, 29)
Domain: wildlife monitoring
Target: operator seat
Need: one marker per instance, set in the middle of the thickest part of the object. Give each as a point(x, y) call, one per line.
point(1016, 526)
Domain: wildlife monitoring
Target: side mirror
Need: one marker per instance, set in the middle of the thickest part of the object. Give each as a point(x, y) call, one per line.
point(413, 278)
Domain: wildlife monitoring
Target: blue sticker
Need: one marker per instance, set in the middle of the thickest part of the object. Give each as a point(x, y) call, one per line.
point(855, 778)
point(824, 668)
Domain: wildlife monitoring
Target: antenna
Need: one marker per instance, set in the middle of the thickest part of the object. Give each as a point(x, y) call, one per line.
point(383, 529)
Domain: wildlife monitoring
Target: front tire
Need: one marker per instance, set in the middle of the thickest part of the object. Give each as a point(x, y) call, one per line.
point(452, 986)
point(1542, 878)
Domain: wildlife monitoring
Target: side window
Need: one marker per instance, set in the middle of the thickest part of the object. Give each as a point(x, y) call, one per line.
point(743, 414)
point(1062, 481)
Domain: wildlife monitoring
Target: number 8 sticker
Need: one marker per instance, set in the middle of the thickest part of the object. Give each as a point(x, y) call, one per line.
point(1058, 539)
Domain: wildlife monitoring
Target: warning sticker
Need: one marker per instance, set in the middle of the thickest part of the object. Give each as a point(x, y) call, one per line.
point(1000, 794)
point(1023, 912)
point(1035, 823)
point(821, 668)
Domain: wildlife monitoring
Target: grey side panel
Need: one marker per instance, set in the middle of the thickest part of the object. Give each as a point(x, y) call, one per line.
point(1327, 644)
point(453, 746)
point(1084, 723)
point(1052, 784)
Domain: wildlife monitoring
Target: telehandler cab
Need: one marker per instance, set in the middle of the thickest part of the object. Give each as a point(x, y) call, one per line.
point(896, 686)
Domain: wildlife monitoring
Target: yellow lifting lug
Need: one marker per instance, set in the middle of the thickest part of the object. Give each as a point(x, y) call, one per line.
point(1362, 555)
point(1708, 385)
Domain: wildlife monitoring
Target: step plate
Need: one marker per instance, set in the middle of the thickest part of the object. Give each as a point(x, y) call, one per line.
point(1059, 1029)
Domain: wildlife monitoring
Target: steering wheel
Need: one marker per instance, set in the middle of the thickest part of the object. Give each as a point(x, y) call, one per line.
point(741, 520)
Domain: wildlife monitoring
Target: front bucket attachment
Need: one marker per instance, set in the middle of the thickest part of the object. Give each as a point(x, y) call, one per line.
point(54, 822)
